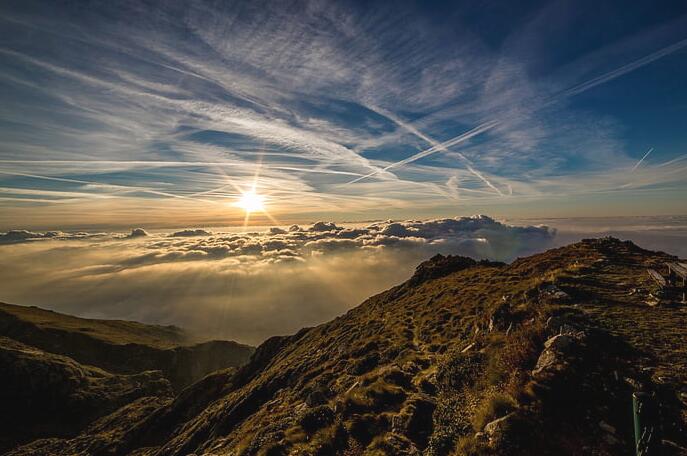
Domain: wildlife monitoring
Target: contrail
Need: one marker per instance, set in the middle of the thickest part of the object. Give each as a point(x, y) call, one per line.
point(623, 69)
point(574, 90)
point(441, 146)
point(126, 188)
point(642, 159)
point(433, 143)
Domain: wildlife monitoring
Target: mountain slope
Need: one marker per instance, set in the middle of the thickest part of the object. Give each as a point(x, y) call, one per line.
point(46, 394)
point(537, 357)
point(119, 346)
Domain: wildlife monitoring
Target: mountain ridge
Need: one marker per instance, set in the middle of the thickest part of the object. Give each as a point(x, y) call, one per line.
point(467, 358)
point(121, 346)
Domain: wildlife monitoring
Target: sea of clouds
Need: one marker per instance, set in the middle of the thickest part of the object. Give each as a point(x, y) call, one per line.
point(245, 286)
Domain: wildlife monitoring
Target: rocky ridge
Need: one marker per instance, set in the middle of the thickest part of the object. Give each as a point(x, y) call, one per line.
point(540, 356)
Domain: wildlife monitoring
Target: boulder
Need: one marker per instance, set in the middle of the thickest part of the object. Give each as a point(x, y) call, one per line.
point(553, 293)
point(558, 352)
point(560, 343)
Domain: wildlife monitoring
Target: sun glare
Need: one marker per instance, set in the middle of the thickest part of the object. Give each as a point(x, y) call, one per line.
point(251, 202)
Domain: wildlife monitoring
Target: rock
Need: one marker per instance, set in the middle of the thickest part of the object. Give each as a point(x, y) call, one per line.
point(559, 343)
point(546, 362)
point(557, 354)
point(554, 293)
point(496, 430)
point(652, 301)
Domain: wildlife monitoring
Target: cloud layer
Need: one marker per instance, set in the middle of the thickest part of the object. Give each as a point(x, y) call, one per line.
point(245, 286)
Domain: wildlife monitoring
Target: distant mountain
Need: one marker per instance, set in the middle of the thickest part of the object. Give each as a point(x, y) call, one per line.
point(60, 373)
point(118, 346)
point(539, 357)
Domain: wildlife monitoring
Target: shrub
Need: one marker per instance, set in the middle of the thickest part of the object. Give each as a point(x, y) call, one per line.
point(459, 369)
point(364, 428)
point(316, 418)
point(376, 397)
point(364, 365)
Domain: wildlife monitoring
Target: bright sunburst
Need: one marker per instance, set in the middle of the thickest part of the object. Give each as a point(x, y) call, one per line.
point(251, 202)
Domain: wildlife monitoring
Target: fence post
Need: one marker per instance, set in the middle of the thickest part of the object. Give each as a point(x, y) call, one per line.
point(646, 420)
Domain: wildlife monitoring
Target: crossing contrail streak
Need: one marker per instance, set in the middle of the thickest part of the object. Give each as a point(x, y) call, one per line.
point(574, 90)
point(439, 147)
point(434, 143)
point(642, 159)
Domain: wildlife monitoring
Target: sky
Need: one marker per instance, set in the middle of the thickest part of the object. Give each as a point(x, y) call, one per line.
point(245, 169)
point(162, 114)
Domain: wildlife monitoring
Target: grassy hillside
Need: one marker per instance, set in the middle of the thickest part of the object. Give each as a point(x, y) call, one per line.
point(466, 358)
point(118, 332)
point(119, 346)
point(47, 394)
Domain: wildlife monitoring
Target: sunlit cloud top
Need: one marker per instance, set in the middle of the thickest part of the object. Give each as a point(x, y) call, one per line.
point(170, 113)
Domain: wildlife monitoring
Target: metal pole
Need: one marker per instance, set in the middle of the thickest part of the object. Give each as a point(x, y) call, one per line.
point(636, 406)
point(645, 423)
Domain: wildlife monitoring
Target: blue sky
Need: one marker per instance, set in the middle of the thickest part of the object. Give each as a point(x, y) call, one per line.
point(162, 113)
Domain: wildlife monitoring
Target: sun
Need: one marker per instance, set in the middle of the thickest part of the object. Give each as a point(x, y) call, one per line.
point(251, 202)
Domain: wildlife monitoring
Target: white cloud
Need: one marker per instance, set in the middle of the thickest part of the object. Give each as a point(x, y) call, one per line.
point(245, 286)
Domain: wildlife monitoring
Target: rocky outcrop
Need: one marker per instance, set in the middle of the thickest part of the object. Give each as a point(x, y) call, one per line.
point(560, 351)
point(496, 431)
point(440, 266)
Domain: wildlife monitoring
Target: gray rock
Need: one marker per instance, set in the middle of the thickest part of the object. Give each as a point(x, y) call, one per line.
point(495, 430)
point(560, 343)
point(557, 353)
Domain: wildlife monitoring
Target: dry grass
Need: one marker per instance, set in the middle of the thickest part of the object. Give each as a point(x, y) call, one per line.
point(434, 338)
point(493, 406)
